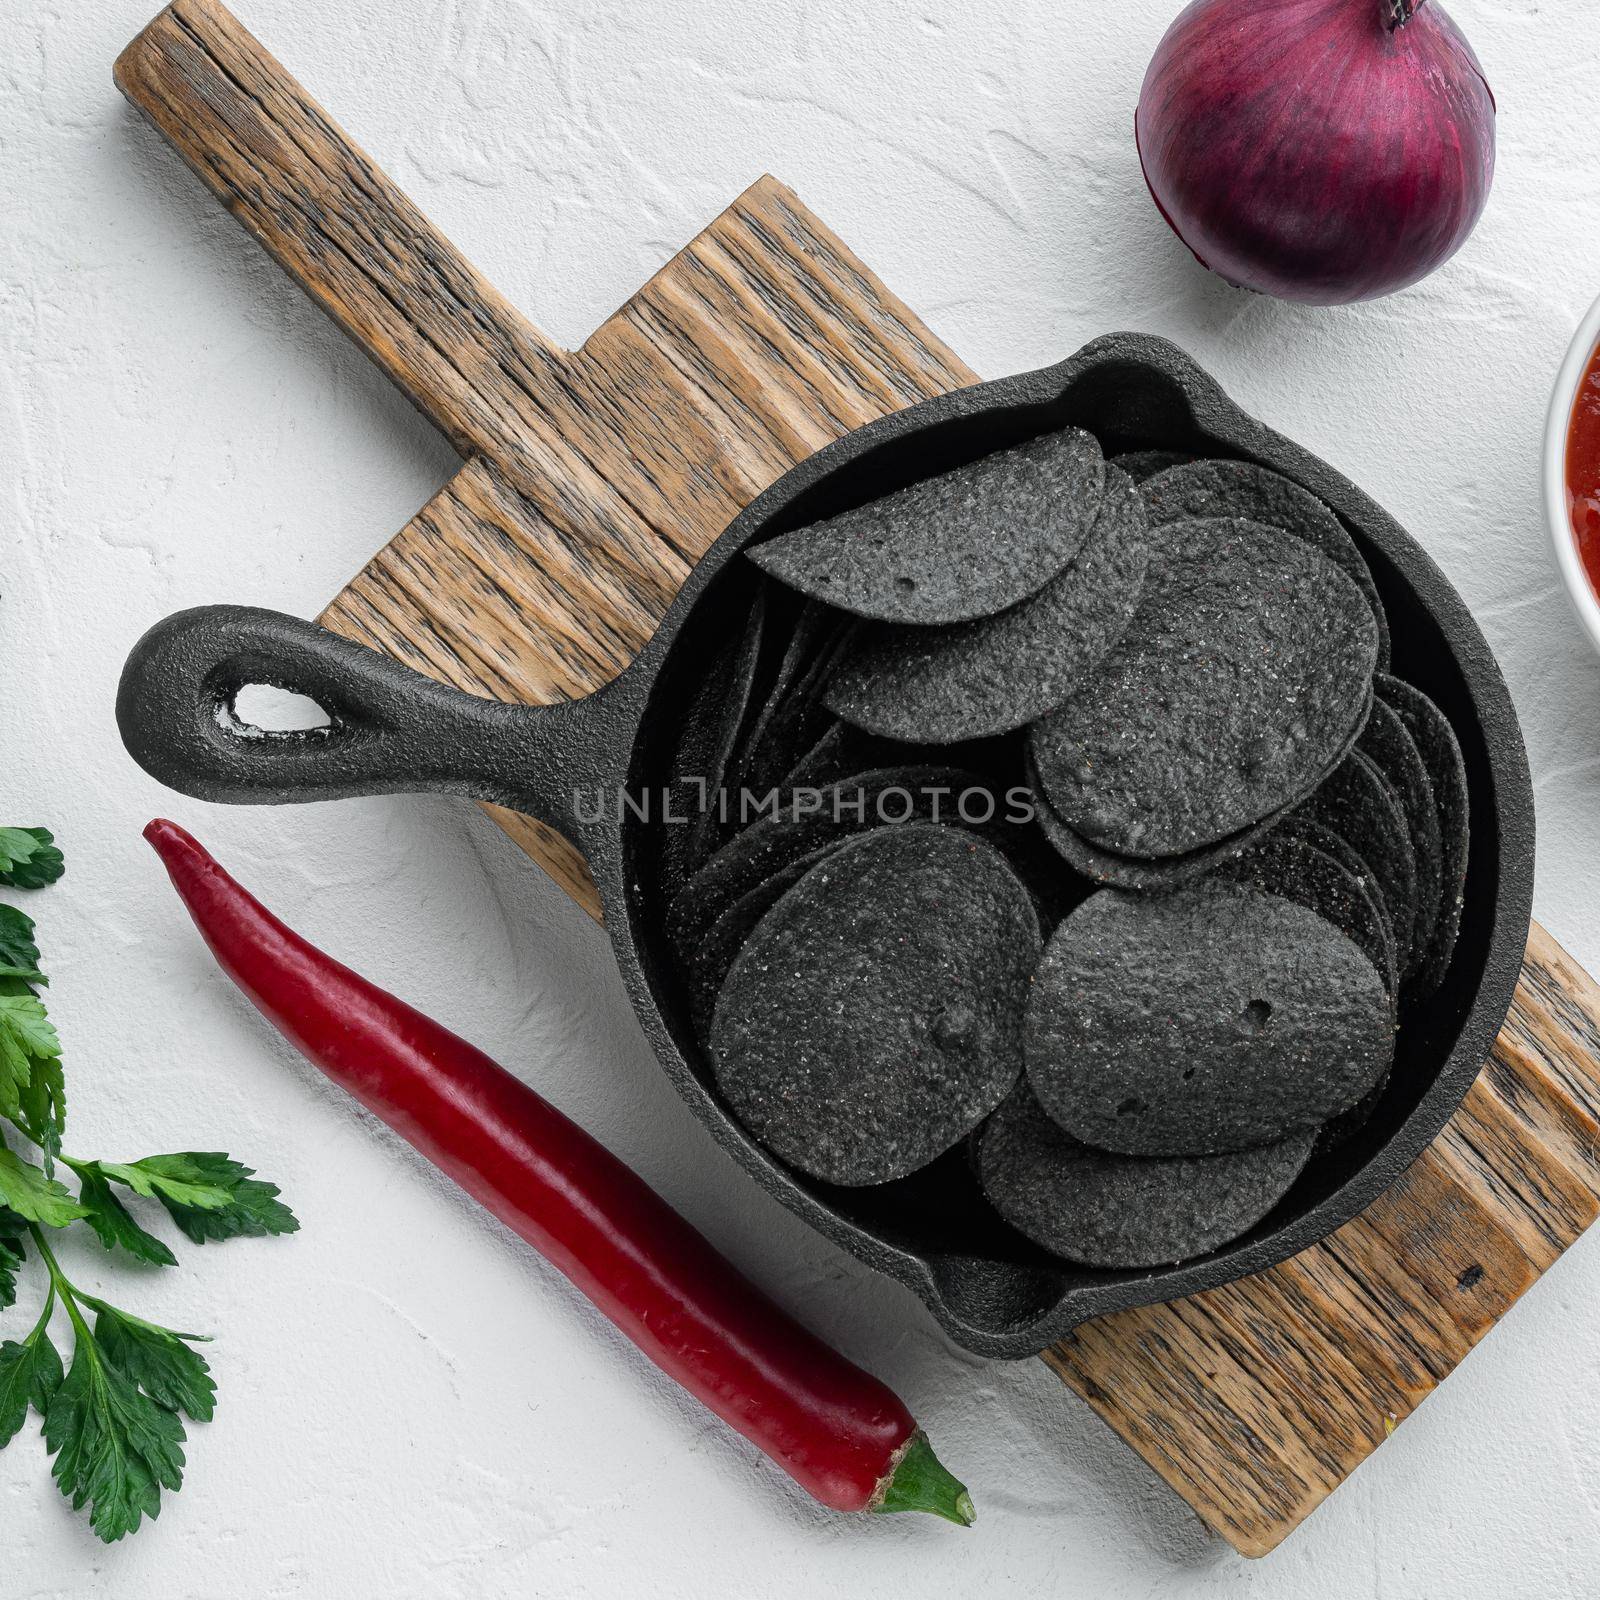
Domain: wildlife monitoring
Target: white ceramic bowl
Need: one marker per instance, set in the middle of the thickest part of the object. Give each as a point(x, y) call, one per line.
point(1557, 514)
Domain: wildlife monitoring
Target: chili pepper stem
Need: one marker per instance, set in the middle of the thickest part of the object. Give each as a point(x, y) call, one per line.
point(919, 1481)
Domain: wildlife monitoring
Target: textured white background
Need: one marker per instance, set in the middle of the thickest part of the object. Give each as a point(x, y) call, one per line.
point(411, 1404)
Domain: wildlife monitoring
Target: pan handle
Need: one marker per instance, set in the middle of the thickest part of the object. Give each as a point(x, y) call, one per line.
point(390, 730)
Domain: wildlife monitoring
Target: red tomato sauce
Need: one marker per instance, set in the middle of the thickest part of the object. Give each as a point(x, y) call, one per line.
point(1583, 471)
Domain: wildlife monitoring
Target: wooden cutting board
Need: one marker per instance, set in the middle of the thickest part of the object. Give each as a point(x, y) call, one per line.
point(595, 478)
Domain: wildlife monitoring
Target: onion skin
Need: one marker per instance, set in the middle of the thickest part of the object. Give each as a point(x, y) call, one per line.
point(1309, 149)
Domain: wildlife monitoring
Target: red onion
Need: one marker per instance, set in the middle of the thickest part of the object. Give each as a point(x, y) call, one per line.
point(1319, 150)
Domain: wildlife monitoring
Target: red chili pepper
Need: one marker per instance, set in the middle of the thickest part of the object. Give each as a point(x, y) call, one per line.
point(836, 1430)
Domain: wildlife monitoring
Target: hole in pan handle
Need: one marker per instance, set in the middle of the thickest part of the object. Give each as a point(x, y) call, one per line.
point(389, 730)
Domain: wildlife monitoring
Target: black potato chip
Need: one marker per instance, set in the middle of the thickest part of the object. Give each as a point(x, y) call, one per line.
point(1326, 842)
point(824, 761)
point(1211, 1019)
point(1390, 748)
point(1110, 870)
point(1321, 837)
point(1105, 1210)
point(942, 685)
point(1243, 677)
point(1242, 489)
point(1143, 464)
point(964, 544)
point(1293, 869)
point(1343, 1128)
point(874, 1017)
point(709, 826)
point(839, 752)
point(804, 819)
point(708, 962)
point(1436, 743)
point(1357, 803)
point(793, 715)
point(683, 838)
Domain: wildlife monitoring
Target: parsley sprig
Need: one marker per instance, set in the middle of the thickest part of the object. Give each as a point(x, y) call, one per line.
point(113, 1416)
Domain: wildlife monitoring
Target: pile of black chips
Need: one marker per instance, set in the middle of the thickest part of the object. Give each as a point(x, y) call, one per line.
point(1065, 807)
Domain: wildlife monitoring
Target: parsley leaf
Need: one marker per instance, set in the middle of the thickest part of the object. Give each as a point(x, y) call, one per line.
point(33, 1092)
point(254, 1211)
point(30, 1374)
point(208, 1195)
point(33, 1196)
point(18, 846)
point(113, 1421)
point(29, 858)
point(111, 1221)
point(26, 1037)
point(42, 1106)
point(17, 948)
point(159, 1360)
point(12, 1228)
point(116, 1449)
point(179, 1178)
point(23, 1017)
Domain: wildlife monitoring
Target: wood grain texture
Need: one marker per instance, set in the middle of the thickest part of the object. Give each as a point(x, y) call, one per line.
point(592, 482)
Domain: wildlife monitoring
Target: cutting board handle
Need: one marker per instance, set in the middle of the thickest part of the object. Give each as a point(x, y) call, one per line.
point(466, 357)
point(389, 731)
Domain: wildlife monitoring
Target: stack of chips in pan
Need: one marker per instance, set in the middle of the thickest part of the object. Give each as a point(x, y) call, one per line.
point(1098, 838)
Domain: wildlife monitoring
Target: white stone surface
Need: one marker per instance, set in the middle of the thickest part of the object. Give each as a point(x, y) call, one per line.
point(411, 1404)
